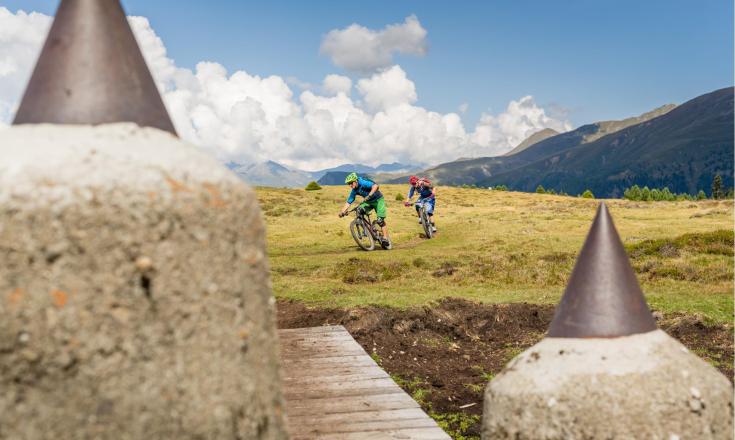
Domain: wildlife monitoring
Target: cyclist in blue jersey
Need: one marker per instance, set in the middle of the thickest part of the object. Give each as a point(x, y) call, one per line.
point(427, 197)
point(372, 199)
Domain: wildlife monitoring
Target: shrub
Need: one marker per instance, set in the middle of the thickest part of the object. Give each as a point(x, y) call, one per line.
point(540, 190)
point(633, 193)
point(646, 194)
point(655, 195)
point(667, 195)
point(399, 197)
point(717, 187)
point(587, 194)
point(313, 186)
point(701, 195)
point(501, 188)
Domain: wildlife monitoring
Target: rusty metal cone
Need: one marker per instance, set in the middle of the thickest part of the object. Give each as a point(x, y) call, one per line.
point(91, 71)
point(603, 298)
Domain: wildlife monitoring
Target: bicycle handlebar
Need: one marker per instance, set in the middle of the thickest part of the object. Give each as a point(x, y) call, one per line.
point(348, 212)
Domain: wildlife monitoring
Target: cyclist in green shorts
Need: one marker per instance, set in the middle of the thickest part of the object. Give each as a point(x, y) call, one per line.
point(372, 199)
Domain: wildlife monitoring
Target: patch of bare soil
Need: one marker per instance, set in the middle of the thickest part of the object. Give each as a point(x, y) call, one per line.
point(444, 354)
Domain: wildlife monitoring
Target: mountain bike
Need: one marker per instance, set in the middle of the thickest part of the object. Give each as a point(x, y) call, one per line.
point(425, 222)
point(366, 231)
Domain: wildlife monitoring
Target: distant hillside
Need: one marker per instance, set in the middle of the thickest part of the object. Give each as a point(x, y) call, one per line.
point(472, 171)
point(394, 167)
point(681, 149)
point(337, 177)
point(596, 131)
point(270, 174)
point(273, 174)
point(533, 139)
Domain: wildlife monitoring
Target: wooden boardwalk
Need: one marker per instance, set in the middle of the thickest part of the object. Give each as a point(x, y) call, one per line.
point(334, 390)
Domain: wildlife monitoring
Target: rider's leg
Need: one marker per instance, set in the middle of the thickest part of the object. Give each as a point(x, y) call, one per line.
point(381, 212)
point(430, 212)
point(383, 227)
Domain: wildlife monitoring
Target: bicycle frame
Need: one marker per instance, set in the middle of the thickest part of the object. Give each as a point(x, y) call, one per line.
point(367, 221)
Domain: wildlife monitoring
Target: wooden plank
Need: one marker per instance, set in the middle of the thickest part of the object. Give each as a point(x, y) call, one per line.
point(327, 336)
point(313, 379)
point(356, 384)
point(329, 370)
point(312, 330)
point(333, 389)
point(354, 360)
point(402, 434)
point(353, 392)
point(346, 426)
point(334, 405)
point(308, 345)
point(347, 418)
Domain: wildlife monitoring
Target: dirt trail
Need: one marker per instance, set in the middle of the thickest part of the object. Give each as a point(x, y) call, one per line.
point(444, 354)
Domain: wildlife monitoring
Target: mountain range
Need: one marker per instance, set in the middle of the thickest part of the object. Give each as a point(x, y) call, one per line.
point(679, 147)
point(273, 174)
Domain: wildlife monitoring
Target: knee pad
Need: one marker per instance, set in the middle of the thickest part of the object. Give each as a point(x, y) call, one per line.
point(380, 221)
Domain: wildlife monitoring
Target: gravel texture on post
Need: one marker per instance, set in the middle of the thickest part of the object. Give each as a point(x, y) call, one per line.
point(646, 385)
point(604, 370)
point(134, 292)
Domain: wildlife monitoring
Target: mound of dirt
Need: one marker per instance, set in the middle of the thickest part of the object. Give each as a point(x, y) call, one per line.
point(444, 354)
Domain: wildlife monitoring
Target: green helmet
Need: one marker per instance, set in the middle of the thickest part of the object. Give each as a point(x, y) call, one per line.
point(350, 178)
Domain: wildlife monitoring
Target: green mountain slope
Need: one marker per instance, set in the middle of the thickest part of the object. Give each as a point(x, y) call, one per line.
point(473, 171)
point(678, 147)
point(532, 140)
point(682, 149)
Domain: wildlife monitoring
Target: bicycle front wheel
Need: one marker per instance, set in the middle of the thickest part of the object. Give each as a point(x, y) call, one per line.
point(362, 235)
point(426, 223)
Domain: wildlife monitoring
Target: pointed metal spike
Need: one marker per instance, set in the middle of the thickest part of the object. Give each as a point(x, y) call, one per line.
point(91, 71)
point(603, 298)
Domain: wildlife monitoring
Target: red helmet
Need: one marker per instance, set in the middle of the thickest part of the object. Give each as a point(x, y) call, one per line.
point(412, 180)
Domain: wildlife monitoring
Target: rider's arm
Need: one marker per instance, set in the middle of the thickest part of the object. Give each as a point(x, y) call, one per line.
point(372, 191)
point(345, 208)
point(410, 192)
point(350, 199)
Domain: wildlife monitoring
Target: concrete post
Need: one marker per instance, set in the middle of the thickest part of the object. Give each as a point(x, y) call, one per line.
point(604, 370)
point(134, 293)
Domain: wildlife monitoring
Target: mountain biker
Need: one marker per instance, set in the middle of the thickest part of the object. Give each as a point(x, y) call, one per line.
point(372, 199)
point(427, 197)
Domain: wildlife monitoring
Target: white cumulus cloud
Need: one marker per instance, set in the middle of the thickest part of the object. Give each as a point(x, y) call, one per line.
point(499, 134)
point(335, 84)
point(21, 37)
point(245, 118)
point(360, 49)
point(387, 89)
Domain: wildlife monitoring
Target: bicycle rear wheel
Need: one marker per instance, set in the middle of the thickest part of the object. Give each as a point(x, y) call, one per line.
point(362, 235)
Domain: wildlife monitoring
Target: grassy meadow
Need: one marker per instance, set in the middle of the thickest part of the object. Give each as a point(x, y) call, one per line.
point(495, 247)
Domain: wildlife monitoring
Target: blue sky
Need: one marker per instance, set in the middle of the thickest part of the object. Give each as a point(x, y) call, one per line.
point(598, 60)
